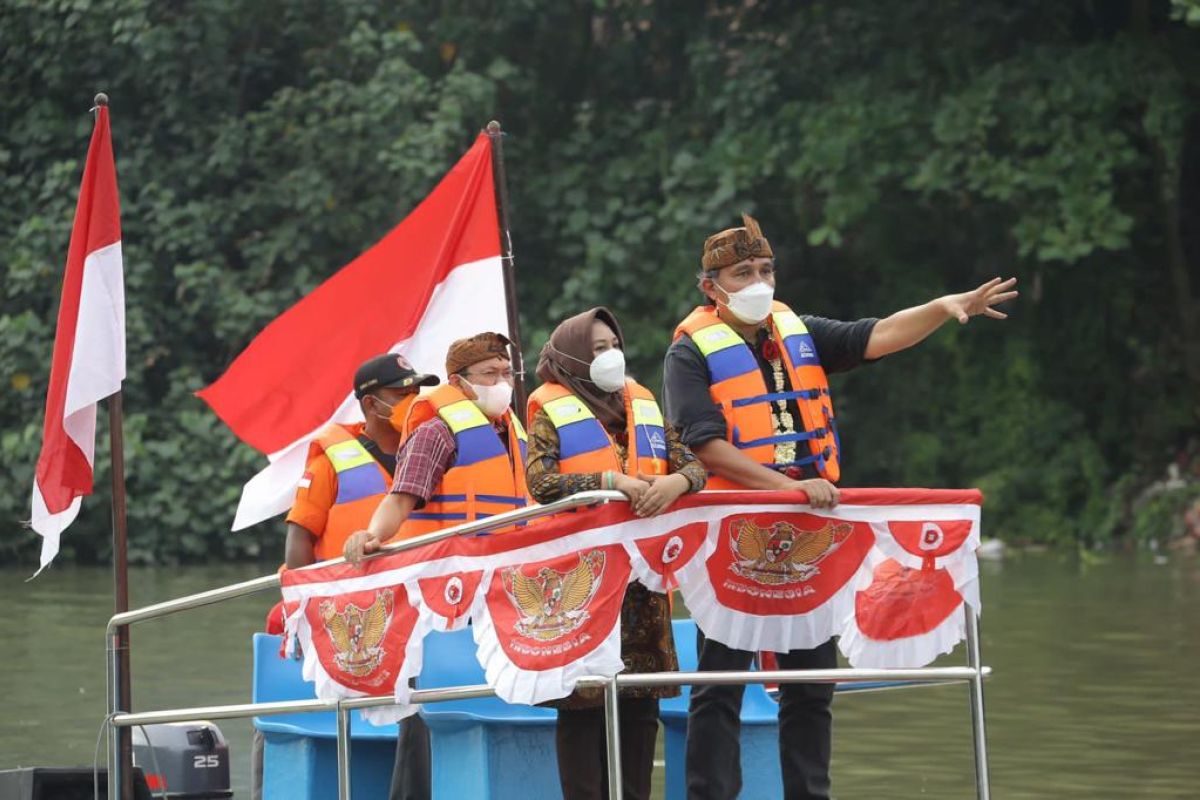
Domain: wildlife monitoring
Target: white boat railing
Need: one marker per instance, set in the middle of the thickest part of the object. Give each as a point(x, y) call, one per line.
point(973, 674)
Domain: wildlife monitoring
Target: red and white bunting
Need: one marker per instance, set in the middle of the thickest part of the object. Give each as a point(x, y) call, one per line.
point(757, 570)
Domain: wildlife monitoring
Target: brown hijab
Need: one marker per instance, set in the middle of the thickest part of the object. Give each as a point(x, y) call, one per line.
point(565, 360)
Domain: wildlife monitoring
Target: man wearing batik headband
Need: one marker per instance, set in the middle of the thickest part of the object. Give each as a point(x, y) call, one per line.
point(745, 384)
point(463, 458)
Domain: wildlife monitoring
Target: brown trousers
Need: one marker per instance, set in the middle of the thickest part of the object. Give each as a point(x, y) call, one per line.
point(582, 750)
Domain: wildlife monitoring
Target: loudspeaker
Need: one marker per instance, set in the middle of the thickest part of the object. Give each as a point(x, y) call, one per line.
point(63, 783)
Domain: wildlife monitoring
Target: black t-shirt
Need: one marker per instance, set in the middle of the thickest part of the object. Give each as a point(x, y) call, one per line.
point(841, 346)
point(386, 460)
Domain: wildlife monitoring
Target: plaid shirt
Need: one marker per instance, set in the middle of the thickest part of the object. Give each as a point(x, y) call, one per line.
point(423, 459)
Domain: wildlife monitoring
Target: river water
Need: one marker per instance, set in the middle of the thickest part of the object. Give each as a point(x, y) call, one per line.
point(1095, 692)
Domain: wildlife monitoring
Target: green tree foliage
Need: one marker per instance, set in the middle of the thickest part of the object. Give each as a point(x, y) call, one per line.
point(892, 152)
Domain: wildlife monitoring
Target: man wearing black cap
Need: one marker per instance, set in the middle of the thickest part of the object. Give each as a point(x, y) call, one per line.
point(348, 472)
point(350, 467)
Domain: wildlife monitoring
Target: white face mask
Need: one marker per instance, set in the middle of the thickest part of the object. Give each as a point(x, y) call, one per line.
point(493, 401)
point(608, 371)
point(750, 305)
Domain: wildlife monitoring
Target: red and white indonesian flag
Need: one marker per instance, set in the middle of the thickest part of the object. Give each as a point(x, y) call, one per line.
point(887, 571)
point(89, 347)
point(434, 278)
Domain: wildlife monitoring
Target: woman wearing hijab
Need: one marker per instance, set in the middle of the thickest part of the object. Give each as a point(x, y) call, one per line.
point(591, 427)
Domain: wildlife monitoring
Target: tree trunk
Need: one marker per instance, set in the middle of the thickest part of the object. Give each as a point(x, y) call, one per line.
point(1186, 308)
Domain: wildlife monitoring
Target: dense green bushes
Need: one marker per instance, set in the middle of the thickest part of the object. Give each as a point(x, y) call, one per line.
point(891, 152)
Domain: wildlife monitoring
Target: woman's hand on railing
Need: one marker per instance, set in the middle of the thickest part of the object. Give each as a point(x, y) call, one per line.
point(359, 544)
point(664, 490)
point(633, 488)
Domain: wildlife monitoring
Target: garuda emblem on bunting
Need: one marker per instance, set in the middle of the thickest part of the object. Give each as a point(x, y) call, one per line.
point(357, 633)
point(552, 603)
point(782, 553)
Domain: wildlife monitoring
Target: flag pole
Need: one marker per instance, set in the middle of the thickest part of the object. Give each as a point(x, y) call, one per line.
point(121, 678)
point(496, 135)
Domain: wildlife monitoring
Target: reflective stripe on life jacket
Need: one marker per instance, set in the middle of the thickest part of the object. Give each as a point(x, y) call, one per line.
point(362, 483)
point(484, 479)
point(585, 446)
point(737, 386)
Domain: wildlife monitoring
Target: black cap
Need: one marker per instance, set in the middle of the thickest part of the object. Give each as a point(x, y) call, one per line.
point(389, 371)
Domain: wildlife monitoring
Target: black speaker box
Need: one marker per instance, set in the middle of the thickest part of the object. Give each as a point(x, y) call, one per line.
point(63, 783)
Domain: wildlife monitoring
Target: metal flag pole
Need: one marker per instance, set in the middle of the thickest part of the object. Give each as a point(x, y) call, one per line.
point(496, 135)
point(120, 688)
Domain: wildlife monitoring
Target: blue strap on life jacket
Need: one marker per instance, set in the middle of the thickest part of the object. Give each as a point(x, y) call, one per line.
point(457, 515)
point(771, 397)
point(819, 459)
point(519, 502)
point(805, 436)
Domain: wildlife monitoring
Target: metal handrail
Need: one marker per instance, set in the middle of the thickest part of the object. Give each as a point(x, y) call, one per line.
point(973, 674)
point(273, 581)
point(978, 729)
point(421, 696)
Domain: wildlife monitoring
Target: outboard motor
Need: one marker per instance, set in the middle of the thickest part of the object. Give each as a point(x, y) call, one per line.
point(183, 759)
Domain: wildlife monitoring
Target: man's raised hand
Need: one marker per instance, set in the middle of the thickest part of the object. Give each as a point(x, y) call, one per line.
point(980, 301)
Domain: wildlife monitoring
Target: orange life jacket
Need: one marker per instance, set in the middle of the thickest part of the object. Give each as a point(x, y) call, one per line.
point(362, 483)
point(585, 446)
point(737, 386)
point(485, 479)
